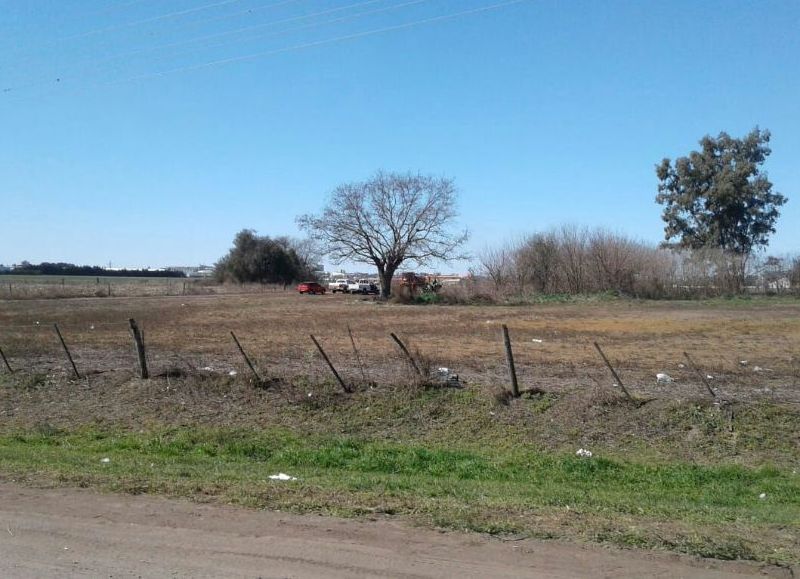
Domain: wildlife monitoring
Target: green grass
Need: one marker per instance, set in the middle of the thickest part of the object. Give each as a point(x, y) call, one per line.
point(706, 510)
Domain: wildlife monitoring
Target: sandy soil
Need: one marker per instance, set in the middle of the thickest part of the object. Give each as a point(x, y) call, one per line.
point(79, 533)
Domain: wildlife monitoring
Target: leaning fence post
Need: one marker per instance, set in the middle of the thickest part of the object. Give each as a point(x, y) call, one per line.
point(358, 355)
point(247, 359)
point(5, 361)
point(330, 364)
point(138, 340)
point(66, 351)
point(405, 351)
point(512, 371)
point(613, 372)
point(697, 371)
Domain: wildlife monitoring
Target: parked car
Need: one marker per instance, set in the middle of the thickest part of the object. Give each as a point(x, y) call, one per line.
point(339, 285)
point(311, 287)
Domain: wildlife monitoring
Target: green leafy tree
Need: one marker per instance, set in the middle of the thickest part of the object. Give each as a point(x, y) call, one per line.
point(255, 258)
point(719, 196)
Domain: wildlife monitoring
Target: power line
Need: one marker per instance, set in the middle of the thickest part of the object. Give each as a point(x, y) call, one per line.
point(303, 46)
point(334, 40)
point(175, 14)
point(242, 12)
point(119, 56)
point(322, 22)
point(240, 30)
point(112, 27)
point(299, 28)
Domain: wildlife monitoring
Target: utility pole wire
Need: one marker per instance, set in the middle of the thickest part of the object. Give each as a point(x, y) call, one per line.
point(94, 65)
point(334, 40)
point(283, 50)
point(273, 23)
point(298, 28)
point(175, 14)
point(238, 30)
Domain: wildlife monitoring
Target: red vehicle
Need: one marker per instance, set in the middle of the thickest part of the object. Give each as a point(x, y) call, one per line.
point(310, 287)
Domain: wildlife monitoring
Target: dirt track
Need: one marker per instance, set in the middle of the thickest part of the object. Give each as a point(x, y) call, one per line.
point(71, 533)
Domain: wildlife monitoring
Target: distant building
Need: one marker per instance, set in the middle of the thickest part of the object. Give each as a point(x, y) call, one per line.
point(4, 268)
point(200, 271)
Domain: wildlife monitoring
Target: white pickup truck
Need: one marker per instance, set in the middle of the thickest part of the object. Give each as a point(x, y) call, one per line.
point(363, 286)
point(339, 286)
point(346, 286)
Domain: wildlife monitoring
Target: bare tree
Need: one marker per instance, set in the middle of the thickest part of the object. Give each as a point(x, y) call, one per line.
point(387, 221)
point(308, 250)
point(539, 255)
point(574, 250)
point(612, 257)
point(497, 263)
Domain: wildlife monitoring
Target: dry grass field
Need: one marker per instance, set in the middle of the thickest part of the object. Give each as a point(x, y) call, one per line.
point(672, 469)
point(552, 342)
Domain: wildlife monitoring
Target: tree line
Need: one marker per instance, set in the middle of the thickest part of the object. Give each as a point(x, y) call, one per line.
point(579, 260)
point(70, 269)
point(718, 206)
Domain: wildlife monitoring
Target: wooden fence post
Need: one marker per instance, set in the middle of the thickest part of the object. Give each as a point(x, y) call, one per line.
point(697, 371)
point(405, 351)
point(259, 381)
point(330, 364)
point(5, 361)
point(138, 340)
point(66, 351)
point(512, 371)
point(613, 372)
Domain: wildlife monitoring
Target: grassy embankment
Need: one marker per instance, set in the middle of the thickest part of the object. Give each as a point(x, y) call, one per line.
point(487, 484)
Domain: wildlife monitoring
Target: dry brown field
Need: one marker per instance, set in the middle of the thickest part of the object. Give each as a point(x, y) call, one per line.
point(552, 342)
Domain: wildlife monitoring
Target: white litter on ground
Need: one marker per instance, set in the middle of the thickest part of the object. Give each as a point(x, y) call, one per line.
point(757, 368)
point(762, 496)
point(584, 453)
point(681, 366)
point(444, 370)
point(709, 377)
point(664, 378)
point(232, 373)
point(538, 341)
point(743, 362)
point(105, 460)
point(208, 369)
point(282, 476)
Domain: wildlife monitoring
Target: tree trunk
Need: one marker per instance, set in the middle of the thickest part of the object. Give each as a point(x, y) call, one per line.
point(386, 275)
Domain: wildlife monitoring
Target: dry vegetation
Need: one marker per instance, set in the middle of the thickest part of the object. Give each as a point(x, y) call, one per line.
point(672, 469)
point(641, 338)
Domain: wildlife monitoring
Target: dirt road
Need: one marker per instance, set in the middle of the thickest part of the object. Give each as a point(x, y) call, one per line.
point(74, 533)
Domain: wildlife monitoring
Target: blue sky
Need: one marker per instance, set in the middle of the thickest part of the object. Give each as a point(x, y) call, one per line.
point(544, 112)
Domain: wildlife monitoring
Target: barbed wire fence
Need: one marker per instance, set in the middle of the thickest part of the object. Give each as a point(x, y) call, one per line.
point(26, 348)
